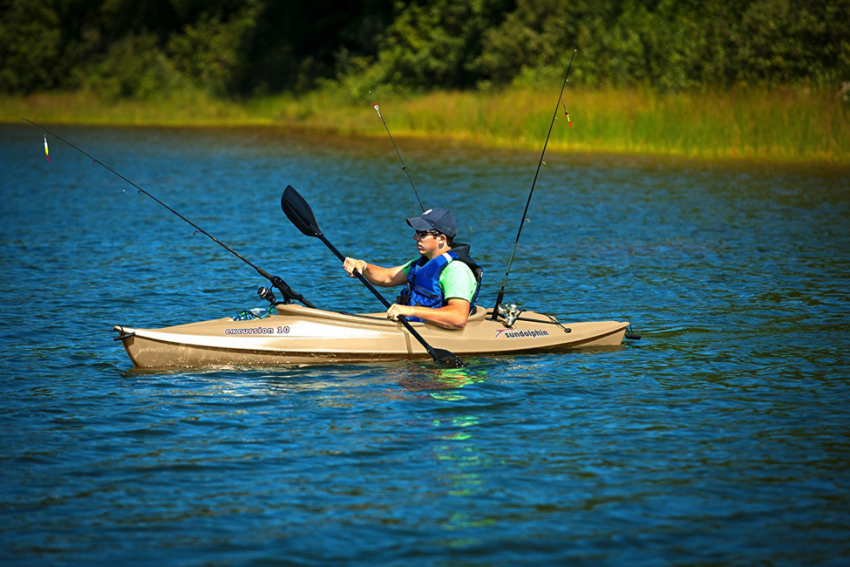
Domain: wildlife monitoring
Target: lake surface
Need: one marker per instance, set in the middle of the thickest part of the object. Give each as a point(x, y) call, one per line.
point(721, 437)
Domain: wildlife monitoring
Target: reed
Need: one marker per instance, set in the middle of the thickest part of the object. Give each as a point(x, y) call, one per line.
point(788, 125)
point(187, 109)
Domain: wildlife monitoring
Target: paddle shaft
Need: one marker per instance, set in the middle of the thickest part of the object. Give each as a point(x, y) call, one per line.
point(381, 298)
point(501, 295)
point(262, 272)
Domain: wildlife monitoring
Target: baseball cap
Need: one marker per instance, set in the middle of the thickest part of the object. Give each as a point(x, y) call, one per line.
point(437, 219)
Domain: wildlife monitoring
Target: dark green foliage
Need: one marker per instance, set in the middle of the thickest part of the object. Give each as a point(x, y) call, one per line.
point(143, 47)
point(135, 67)
point(140, 48)
point(295, 43)
point(674, 44)
point(29, 45)
point(211, 51)
point(433, 43)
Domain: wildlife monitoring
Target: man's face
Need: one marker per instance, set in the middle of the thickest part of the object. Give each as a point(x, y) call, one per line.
point(430, 243)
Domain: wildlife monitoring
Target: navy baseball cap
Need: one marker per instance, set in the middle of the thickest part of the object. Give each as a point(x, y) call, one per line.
point(437, 219)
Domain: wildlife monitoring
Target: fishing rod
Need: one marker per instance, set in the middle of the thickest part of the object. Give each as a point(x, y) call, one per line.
point(276, 281)
point(501, 295)
point(403, 167)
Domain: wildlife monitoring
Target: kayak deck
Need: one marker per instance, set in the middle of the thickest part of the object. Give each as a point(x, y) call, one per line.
point(300, 335)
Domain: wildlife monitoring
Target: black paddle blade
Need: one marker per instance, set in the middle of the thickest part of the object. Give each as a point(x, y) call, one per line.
point(298, 211)
point(445, 359)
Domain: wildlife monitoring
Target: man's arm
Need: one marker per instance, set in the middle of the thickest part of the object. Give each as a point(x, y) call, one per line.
point(451, 316)
point(384, 277)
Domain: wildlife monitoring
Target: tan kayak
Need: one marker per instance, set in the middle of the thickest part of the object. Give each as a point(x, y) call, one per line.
point(300, 335)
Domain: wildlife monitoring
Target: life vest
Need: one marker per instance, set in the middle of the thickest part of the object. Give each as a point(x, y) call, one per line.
point(423, 279)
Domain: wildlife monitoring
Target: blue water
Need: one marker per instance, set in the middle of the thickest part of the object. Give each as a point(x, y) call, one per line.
point(721, 437)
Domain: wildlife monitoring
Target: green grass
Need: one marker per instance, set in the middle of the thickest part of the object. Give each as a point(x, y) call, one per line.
point(792, 125)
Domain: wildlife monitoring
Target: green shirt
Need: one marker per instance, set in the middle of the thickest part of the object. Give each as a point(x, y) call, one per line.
point(456, 281)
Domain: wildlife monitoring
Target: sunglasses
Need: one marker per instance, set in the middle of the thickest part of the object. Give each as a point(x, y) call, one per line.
point(424, 233)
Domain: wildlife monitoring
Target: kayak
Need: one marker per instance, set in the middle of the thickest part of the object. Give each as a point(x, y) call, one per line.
point(299, 335)
point(295, 334)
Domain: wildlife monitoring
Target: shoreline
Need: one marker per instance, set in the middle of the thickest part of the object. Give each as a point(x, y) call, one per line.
point(626, 124)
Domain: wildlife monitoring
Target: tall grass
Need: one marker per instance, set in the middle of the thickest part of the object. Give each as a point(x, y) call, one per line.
point(792, 125)
point(782, 126)
point(187, 109)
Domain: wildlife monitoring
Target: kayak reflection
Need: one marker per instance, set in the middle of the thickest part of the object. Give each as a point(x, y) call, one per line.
point(423, 378)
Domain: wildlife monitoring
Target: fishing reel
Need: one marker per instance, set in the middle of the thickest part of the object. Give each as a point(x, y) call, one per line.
point(258, 312)
point(267, 294)
point(510, 313)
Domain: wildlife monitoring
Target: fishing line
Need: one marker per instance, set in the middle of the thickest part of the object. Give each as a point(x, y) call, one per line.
point(276, 281)
point(501, 295)
point(403, 167)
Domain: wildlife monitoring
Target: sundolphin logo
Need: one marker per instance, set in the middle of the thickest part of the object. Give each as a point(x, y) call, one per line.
point(514, 334)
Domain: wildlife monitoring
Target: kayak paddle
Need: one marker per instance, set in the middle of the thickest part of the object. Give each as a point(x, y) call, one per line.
point(301, 215)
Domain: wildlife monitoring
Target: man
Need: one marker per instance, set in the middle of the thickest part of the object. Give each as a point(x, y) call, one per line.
point(441, 284)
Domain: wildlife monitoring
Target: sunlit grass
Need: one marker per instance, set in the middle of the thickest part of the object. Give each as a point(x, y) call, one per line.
point(790, 125)
point(191, 109)
point(783, 126)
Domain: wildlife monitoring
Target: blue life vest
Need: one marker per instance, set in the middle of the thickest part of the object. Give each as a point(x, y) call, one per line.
point(423, 279)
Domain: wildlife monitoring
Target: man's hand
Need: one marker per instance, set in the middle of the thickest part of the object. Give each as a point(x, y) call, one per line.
point(451, 316)
point(351, 264)
point(397, 310)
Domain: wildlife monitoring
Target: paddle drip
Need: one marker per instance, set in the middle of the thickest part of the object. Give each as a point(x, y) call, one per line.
point(288, 293)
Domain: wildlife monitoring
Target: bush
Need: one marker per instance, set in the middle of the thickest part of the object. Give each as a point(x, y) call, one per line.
point(29, 46)
point(134, 67)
